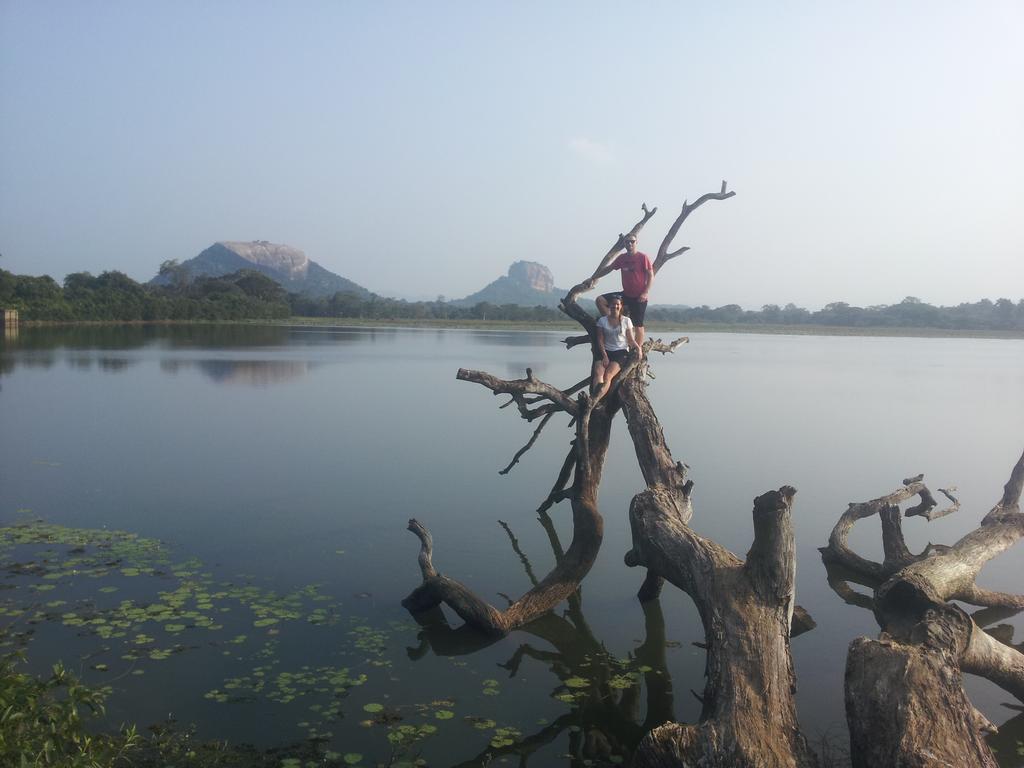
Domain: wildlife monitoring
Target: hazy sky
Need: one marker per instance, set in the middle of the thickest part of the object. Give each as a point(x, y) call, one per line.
point(876, 148)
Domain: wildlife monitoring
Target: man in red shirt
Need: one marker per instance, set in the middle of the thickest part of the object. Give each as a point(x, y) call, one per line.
point(637, 276)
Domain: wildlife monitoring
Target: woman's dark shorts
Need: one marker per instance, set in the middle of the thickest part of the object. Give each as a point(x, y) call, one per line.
point(635, 308)
point(617, 356)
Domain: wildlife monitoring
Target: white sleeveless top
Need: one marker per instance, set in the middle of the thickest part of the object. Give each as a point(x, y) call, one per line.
point(614, 338)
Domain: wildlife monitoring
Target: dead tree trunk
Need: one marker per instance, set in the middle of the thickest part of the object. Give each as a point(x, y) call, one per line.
point(905, 704)
point(536, 399)
point(749, 714)
point(587, 456)
point(904, 701)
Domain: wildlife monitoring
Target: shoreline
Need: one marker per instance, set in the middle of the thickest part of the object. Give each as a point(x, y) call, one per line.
point(509, 325)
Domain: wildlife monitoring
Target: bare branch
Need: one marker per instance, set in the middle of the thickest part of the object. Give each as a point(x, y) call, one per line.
point(569, 306)
point(528, 446)
point(558, 490)
point(948, 573)
point(985, 617)
point(927, 504)
point(988, 598)
point(519, 552)
point(657, 345)
point(1002, 664)
point(1010, 503)
point(426, 548)
point(567, 392)
point(663, 252)
point(573, 341)
point(592, 434)
point(519, 387)
point(838, 551)
point(621, 242)
point(935, 514)
point(801, 622)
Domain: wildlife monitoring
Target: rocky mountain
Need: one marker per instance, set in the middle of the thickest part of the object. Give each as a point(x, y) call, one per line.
point(287, 265)
point(527, 284)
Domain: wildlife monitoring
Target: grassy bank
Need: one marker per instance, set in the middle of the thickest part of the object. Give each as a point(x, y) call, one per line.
point(654, 329)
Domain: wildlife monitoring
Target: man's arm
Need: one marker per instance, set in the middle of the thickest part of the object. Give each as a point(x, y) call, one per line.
point(649, 274)
point(632, 342)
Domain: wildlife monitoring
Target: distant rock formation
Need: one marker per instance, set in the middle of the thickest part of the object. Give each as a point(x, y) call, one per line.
point(527, 284)
point(535, 275)
point(281, 258)
point(283, 263)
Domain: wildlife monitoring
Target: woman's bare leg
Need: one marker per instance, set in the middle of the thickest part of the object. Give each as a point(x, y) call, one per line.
point(609, 374)
point(597, 376)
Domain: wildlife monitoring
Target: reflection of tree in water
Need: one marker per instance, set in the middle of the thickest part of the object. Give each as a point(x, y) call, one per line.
point(83, 347)
point(605, 722)
point(255, 373)
point(1007, 744)
point(504, 338)
point(114, 364)
point(135, 336)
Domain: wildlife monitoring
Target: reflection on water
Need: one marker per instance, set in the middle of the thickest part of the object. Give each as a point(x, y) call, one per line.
point(307, 471)
point(135, 336)
point(513, 338)
point(612, 702)
point(85, 347)
point(253, 373)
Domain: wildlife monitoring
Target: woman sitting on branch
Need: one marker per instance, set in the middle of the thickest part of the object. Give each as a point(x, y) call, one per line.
point(615, 338)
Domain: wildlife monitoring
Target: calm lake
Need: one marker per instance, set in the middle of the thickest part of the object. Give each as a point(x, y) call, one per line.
point(211, 520)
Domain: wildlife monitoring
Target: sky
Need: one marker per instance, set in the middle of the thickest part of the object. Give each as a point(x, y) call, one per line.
point(876, 148)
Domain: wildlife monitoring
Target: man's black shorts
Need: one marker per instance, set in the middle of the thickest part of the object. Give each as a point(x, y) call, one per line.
point(635, 308)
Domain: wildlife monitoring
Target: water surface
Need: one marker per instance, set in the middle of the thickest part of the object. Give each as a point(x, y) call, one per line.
point(265, 460)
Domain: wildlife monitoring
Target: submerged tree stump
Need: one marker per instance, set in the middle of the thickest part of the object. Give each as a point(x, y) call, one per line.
point(905, 703)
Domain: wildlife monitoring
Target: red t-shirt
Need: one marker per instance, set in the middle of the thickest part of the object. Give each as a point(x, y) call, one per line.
point(634, 272)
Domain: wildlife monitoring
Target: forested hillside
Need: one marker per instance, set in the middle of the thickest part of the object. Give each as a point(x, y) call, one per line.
point(115, 296)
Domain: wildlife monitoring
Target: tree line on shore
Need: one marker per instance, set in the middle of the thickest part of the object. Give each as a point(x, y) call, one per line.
point(247, 294)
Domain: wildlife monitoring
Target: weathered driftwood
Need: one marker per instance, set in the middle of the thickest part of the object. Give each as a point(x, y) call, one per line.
point(747, 607)
point(536, 399)
point(905, 703)
point(592, 432)
point(748, 716)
